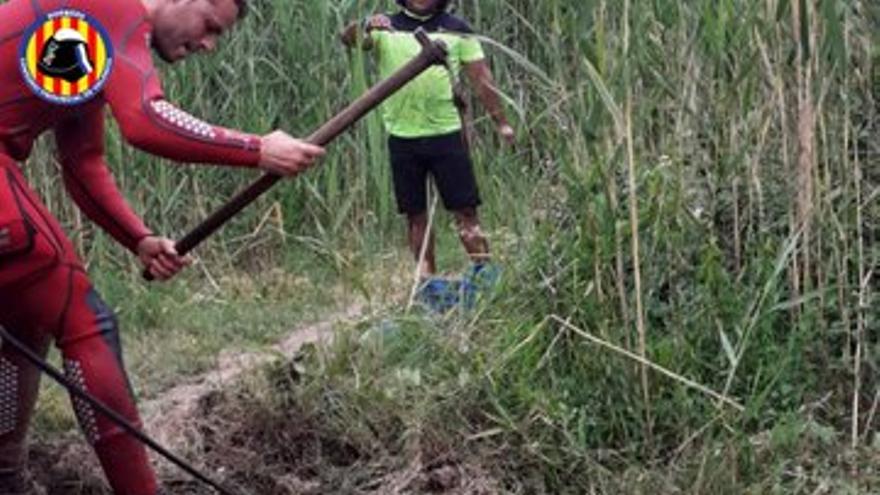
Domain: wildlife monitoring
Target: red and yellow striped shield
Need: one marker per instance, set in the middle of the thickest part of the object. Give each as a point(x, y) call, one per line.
point(66, 57)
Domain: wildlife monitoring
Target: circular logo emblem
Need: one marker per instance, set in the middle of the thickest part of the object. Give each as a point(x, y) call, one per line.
point(66, 57)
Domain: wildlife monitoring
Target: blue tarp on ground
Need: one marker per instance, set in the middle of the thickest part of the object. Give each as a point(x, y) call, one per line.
point(442, 294)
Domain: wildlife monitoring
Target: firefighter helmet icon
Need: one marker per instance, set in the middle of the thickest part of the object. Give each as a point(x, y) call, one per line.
point(66, 56)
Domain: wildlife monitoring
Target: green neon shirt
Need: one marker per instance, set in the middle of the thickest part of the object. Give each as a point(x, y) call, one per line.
point(425, 106)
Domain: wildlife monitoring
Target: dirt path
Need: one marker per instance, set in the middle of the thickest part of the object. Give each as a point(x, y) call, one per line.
point(175, 420)
point(66, 465)
point(168, 417)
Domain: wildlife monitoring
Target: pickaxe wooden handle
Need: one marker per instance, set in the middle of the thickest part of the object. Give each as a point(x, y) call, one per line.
point(433, 53)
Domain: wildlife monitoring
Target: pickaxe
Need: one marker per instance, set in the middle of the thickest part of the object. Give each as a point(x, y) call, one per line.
point(433, 53)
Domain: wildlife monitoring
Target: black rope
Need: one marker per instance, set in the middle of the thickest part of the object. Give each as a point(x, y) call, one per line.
point(107, 411)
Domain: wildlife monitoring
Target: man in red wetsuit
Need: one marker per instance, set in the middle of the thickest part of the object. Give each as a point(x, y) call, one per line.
point(61, 63)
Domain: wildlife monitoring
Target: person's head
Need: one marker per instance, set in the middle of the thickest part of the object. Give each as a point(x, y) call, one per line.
point(183, 27)
point(425, 7)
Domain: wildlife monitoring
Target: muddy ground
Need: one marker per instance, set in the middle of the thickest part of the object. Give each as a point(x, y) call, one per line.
point(206, 420)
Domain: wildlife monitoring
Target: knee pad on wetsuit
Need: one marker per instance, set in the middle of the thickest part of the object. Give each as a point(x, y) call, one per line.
point(9, 396)
point(99, 348)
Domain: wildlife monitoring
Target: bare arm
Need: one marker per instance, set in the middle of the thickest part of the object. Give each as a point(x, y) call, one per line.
point(480, 77)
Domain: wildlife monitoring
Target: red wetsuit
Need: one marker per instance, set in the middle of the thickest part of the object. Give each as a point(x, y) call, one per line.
point(45, 294)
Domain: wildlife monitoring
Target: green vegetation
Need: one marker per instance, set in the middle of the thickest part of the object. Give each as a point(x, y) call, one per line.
point(697, 182)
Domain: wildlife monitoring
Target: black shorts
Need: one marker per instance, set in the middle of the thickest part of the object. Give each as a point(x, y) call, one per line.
point(446, 159)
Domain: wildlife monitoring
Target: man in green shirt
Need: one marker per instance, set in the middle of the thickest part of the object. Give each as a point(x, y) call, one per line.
point(424, 123)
